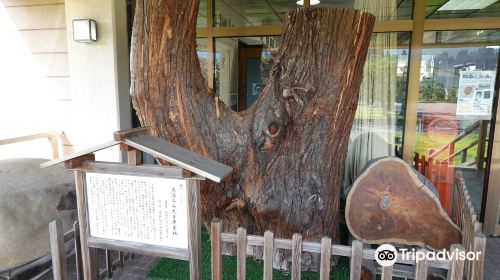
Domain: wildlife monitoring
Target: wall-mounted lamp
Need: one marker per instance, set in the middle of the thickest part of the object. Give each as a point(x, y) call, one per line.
point(84, 30)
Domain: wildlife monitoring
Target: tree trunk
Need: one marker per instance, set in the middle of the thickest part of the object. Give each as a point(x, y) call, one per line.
point(391, 202)
point(288, 148)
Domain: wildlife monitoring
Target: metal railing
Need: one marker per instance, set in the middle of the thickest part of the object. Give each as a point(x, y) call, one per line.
point(482, 125)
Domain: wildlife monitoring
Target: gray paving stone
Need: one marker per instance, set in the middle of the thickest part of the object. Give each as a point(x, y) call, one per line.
point(492, 260)
point(135, 269)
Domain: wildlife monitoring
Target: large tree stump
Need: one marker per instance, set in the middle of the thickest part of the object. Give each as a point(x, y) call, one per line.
point(288, 149)
point(391, 202)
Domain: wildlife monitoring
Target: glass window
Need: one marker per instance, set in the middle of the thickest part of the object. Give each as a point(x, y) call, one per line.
point(241, 68)
point(251, 12)
point(201, 50)
point(461, 8)
point(202, 14)
point(457, 80)
point(384, 9)
point(378, 125)
point(269, 12)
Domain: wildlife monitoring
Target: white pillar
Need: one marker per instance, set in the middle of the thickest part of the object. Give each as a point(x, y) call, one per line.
point(99, 74)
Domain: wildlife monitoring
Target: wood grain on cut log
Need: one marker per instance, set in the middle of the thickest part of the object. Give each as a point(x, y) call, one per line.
point(389, 202)
point(288, 149)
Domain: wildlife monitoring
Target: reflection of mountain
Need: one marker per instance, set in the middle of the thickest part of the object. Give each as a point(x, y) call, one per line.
point(446, 63)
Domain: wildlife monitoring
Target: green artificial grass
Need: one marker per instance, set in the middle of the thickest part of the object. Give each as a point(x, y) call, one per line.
point(170, 269)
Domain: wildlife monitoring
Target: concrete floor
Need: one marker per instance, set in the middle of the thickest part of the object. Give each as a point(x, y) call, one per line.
point(135, 269)
point(492, 260)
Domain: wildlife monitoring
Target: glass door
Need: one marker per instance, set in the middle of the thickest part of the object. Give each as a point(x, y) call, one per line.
point(457, 88)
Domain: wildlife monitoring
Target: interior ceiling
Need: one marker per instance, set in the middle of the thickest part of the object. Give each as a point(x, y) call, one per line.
point(432, 6)
point(261, 12)
point(268, 12)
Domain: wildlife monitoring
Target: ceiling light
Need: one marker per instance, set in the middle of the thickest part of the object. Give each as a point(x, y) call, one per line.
point(455, 5)
point(312, 2)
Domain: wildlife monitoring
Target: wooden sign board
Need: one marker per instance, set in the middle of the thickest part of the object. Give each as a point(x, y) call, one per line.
point(150, 210)
point(145, 210)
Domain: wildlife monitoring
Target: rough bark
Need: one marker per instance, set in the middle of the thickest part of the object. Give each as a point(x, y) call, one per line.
point(288, 149)
point(391, 202)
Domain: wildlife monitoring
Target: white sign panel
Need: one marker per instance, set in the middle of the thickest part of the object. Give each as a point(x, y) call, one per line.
point(475, 93)
point(145, 210)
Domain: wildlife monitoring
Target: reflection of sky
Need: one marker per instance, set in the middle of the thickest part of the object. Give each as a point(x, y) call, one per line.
point(202, 54)
point(396, 51)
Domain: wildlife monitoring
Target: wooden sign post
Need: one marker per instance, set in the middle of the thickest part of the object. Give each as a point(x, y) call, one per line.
point(146, 209)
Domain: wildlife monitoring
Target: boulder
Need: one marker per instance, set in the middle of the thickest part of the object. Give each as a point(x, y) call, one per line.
point(30, 198)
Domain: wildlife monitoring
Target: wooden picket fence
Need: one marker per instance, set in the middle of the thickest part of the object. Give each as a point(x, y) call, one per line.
point(462, 211)
point(356, 253)
point(463, 214)
point(440, 173)
point(473, 239)
point(457, 269)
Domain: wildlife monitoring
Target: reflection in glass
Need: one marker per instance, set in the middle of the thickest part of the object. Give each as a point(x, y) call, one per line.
point(251, 12)
point(201, 50)
point(478, 37)
point(377, 130)
point(461, 8)
point(241, 68)
point(272, 12)
point(386, 9)
point(455, 108)
point(202, 14)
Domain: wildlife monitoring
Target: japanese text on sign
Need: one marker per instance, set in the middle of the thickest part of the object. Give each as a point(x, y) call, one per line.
point(145, 210)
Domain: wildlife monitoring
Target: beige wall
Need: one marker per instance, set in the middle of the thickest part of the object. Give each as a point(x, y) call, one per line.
point(34, 73)
point(49, 82)
point(99, 74)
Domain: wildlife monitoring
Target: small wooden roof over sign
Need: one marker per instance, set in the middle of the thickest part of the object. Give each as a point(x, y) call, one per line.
point(141, 139)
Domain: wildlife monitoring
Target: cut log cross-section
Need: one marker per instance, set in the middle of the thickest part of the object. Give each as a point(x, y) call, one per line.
point(288, 148)
point(390, 202)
